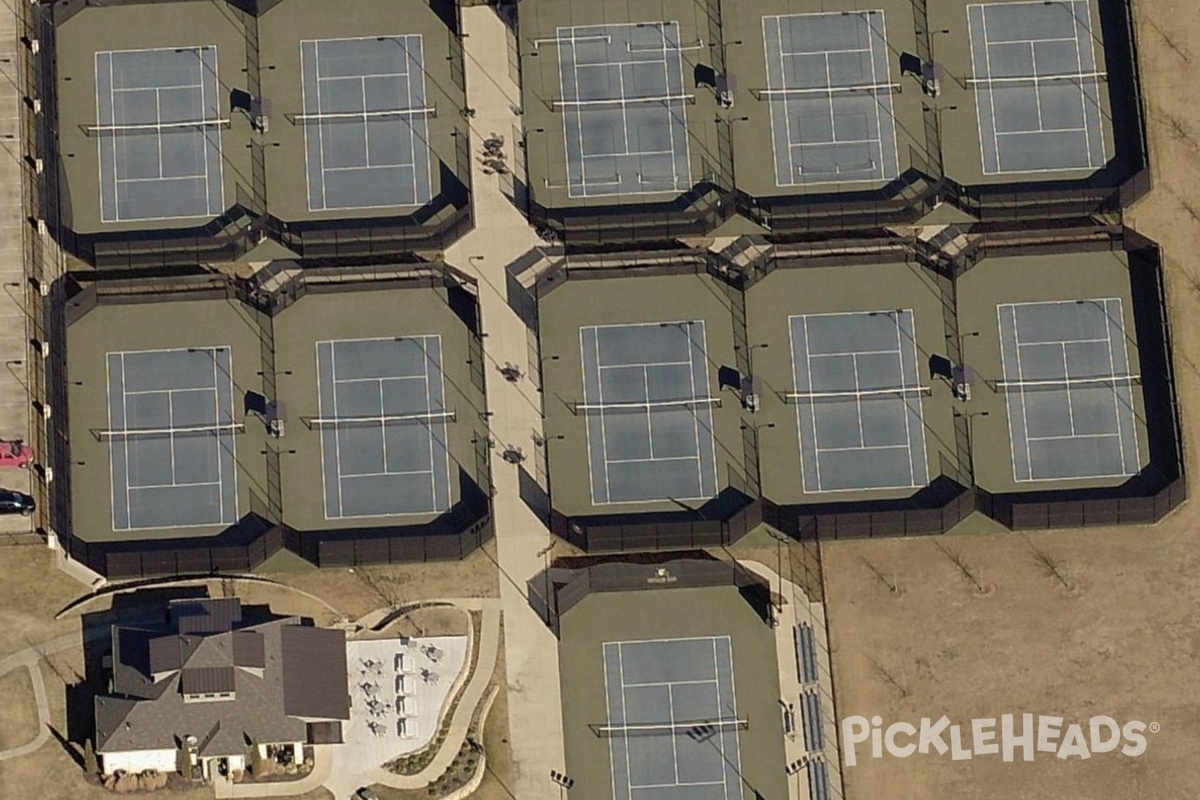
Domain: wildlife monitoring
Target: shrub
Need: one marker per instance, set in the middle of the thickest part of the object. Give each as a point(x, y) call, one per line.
point(90, 763)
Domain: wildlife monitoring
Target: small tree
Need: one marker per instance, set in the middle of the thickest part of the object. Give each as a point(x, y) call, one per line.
point(256, 759)
point(183, 761)
point(90, 763)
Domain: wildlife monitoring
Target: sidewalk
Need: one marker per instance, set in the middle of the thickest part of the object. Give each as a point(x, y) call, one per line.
point(14, 395)
point(501, 235)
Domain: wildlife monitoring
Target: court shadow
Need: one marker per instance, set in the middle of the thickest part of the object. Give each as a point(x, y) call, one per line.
point(729, 377)
point(940, 367)
point(239, 100)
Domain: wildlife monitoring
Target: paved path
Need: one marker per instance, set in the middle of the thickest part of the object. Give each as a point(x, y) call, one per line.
point(322, 762)
point(796, 609)
point(14, 338)
point(500, 236)
point(488, 647)
point(29, 658)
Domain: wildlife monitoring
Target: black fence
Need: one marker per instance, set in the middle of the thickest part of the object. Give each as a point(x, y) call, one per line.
point(248, 221)
point(669, 531)
point(951, 498)
point(145, 559)
point(262, 533)
point(562, 585)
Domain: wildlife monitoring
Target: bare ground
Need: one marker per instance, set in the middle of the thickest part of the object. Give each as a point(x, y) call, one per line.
point(1120, 635)
point(20, 720)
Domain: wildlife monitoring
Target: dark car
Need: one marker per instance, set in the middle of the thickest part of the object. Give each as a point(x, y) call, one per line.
point(15, 503)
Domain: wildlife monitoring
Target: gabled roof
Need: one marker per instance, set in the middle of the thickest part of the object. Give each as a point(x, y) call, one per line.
point(315, 683)
point(276, 687)
point(248, 649)
point(207, 680)
point(206, 615)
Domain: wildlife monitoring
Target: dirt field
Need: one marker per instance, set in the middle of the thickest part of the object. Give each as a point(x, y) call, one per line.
point(369, 588)
point(20, 713)
point(1123, 641)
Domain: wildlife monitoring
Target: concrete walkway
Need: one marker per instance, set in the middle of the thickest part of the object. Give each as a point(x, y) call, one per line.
point(501, 235)
point(30, 658)
point(14, 333)
point(796, 609)
point(322, 763)
point(488, 648)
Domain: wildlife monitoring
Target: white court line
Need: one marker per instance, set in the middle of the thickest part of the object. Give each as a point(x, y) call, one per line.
point(1067, 389)
point(173, 485)
point(721, 735)
point(337, 440)
point(1112, 367)
point(695, 430)
point(865, 447)
point(654, 458)
point(1021, 395)
point(674, 745)
point(670, 683)
point(612, 756)
point(647, 364)
point(583, 187)
point(812, 405)
point(384, 474)
point(624, 711)
point(587, 423)
point(125, 418)
point(112, 467)
point(987, 57)
point(912, 467)
point(604, 442)
point(1074, 436)
point(160, 179)
point(1042, 130)
point(862, 434)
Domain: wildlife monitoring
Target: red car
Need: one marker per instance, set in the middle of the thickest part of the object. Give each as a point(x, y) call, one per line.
point(15, 454)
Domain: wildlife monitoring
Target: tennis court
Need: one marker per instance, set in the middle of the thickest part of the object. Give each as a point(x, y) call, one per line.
point(366, 134)
point(170, 436)
point(858, 401)
point(624, 109)
point(648, 411)
point(672, 719)
point(383, 425)
point(829, 91)
point(158, 131)
point(1037, 86)
point(1069, 389)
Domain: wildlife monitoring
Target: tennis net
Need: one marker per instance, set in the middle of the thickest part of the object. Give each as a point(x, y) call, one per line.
point(383, 420)
point(898, 393)
point(695, 729)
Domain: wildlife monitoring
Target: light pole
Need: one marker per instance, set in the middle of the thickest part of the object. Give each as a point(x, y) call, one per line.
point(970, 416)
point(544, 554)
point(749, 349)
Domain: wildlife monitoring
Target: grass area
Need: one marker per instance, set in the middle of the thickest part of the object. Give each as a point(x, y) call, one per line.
point(20, 710)
point(369, 588)
point(1122, 638)
point(32, 591)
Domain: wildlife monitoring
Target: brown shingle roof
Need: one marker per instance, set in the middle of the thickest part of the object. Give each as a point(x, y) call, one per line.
point(315, 683)
point(248, 649)
point(207, 680)
point(209, 615)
